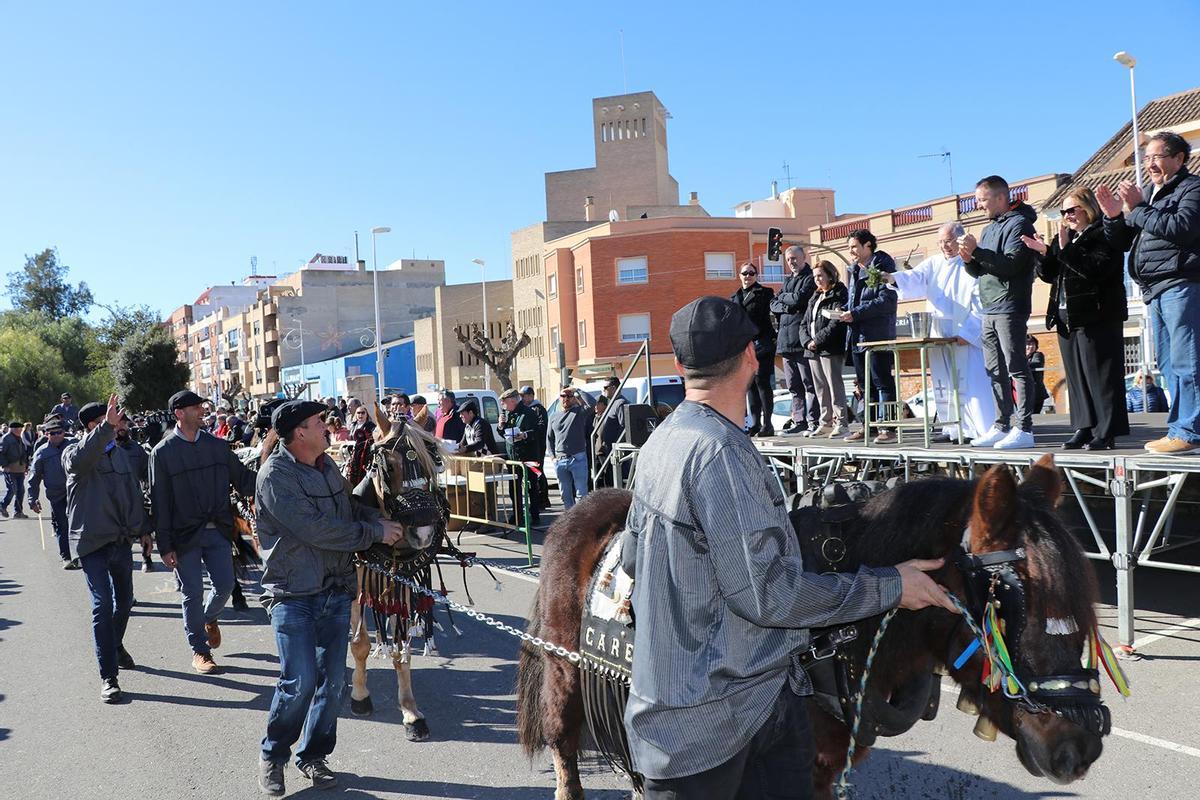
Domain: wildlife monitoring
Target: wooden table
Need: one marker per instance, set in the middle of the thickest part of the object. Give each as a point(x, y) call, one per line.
point(925, 422)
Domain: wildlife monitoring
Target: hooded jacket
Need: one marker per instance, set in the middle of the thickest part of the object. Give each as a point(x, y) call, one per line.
point(104, 498)
point(1167, 251)
point(1003, 264)
point(789, 305)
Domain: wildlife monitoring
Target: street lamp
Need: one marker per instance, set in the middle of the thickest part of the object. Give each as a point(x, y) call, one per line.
point(1128, 61)
point(487, 375)
point(378, 328)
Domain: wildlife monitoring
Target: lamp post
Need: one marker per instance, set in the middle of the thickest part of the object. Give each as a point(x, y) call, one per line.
point(1128, 61)
point(378, 329)
point(487, 375)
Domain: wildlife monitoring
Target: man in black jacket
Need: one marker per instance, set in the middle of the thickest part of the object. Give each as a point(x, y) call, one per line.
point(530, 402)
point(477, 439)
point(756, 299)
point(14, 457)
point(790, 305)
point(1163, 228)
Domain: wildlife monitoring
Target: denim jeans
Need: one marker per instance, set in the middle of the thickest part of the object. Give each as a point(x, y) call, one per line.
point(14, 485)
point(312, 634)
point(109, 574)
point(1174, 317)
point(1004, 357)
point(216, 552)
point(883, 380)
point(572, 472)
point(62, 532)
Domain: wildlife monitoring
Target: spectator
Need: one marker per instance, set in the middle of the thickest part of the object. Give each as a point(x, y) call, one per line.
point(825, 343)
point(567, 441)
point(477, 438)
point(48, 470)
point(520, 444)
point(362, 431)
point(337, 431)
point(29, 438)
point(1163, 227)
point(13, 461)
point(1004, 267)
point(1154, 401)
point(401, 407)
point(1037, 368)
point(529, 400)
point(871, 316)
point(756, 299)
point(420, 414)
point(343, 408)
point(790, 307)
point(612, 418)
point(139, 462)
point(67, 411)
point(447, 423)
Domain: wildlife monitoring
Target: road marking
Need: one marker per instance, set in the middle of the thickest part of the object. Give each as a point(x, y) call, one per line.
point(1192, 624)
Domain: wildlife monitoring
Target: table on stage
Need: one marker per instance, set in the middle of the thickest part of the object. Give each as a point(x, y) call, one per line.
point(894, 417)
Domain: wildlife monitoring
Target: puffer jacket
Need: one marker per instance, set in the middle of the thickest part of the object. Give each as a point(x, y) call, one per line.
point(873, 307)
point(104, 498)
point(789, 307)
point(308, 527)
point(1086, 277)
point(1003, 264)
point(1167, 251)
point(757, 302)
point(829, 335)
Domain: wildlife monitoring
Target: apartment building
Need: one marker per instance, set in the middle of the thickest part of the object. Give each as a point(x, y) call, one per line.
point(441, 360)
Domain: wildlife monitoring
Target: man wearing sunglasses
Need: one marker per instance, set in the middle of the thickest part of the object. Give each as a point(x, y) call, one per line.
point(567, 439)
point(756, 299)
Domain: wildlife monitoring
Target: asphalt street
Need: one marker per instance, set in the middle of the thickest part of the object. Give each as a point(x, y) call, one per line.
point(182, 735)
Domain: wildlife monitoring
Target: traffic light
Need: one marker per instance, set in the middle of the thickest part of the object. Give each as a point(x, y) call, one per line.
point(774, 244)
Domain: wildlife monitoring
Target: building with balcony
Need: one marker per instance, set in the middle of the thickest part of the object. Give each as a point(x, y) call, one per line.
point(441, 360)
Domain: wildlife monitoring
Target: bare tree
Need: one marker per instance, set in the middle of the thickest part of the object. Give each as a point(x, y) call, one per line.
point(294, 390)
point(230, 390)
point(498, 358)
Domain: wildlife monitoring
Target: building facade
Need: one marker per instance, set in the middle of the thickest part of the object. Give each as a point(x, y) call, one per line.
point(441, 360)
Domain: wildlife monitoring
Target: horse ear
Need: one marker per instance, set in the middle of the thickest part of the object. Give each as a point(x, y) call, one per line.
point(382, 422)
point(1044, 477)
point(995, 508)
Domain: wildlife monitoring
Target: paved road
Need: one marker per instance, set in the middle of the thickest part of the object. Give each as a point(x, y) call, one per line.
point(183, 735)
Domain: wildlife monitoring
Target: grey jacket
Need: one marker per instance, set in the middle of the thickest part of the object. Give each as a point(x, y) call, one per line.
point(48, 470)
point(308, 527)
point(104, 498)
point(568, 432)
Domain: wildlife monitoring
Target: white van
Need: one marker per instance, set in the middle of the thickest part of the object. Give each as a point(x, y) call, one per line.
point(489, 406)
point(667, 389)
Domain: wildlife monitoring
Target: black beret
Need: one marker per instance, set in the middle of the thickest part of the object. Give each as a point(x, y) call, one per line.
point(469, 405)
point(16, 424)
point(291, 414)
point(184, 399)
point(92, 411)
point(709, 330)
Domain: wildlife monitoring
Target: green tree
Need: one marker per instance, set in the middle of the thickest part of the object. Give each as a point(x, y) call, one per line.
point(146, 370)
point(123, 322)
point(31, 374)
point(42, 286)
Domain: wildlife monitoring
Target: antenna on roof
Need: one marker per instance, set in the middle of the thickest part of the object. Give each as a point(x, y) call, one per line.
point(945, 157)
point(787, 172)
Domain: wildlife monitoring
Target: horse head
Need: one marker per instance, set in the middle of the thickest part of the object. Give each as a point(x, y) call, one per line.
point(402, 481)
point(1041, 590)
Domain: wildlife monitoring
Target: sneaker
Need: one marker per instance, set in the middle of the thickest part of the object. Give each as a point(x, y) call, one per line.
point(204, 664)
point(821, 432)
point(213, 631)
point(110, 691)
point(147, 565)
point(794, 430)
point(789, 427)
point(72, 564)
point(885, 437)
point(1015, 440)
point(270, 778)
point(3, 513)
point(990, 438)
point(1172, 447)
point(319, 773)
point(20, 515)
point(857, 436)
point(838, 432)
point(124, 660)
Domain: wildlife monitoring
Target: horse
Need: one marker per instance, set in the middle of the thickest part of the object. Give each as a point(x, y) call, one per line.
point(1015, 548)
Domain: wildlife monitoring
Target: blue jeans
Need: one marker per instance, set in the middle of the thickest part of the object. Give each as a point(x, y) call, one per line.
point(572, 475)
point(109, 573)
point(1174, 316)
point(14, 484)
point(211, 547)
point(312, 634)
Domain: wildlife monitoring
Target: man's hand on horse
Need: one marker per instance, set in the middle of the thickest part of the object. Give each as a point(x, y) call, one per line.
point(919, 590)
point(170, 560)
point(392, 531)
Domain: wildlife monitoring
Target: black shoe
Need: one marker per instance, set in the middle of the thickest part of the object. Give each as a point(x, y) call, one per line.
point(766, 433)
point(124, 660)
point(270, 778)
point(1100, 444)
point(787, 426)
point(319, 773)
point(1081, 437)
point(3, 513)
point(72, 564)
point(20, 515)
point(753, 429)
point(110, 692)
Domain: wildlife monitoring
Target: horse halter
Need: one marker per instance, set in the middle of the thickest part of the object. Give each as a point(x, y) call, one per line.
point(993, 585)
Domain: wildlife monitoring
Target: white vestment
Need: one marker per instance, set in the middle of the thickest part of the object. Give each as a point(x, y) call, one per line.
point(953, 296)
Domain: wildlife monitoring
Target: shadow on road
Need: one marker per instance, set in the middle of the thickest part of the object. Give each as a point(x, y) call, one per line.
point(363, 786)
point(901, 773)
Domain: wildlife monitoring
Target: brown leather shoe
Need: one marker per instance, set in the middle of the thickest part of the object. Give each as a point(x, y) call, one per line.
point(204, 664)
point(1172, 447)
point(213, 630)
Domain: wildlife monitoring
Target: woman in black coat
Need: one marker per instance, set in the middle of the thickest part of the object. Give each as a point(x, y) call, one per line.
point(825, 343)
point(1088, 308)
point(756, 299)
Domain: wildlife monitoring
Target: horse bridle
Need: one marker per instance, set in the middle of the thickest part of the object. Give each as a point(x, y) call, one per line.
point(1075, 695)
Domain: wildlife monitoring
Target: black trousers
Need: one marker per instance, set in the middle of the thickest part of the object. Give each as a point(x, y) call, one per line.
point(1094, 358)
point(516, 492)
point(775, 765)
point(761, 390)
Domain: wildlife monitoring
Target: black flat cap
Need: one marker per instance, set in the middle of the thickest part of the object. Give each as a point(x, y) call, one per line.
point(291, 414)
point(91, 411)
point(184, 399)
point(709, 330)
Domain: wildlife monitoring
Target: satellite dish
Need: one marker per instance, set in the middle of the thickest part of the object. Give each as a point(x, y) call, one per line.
point(613, 216)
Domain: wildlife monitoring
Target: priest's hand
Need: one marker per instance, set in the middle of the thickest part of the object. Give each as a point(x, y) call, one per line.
point(887, 278)
point(1109, 203)
point(1035, 243)
point(966, 246)
point(1130, 194)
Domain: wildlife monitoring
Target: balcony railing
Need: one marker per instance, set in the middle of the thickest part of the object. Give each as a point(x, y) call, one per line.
point(270, 309)
point(912, 216)
point(832, 233)
point(271, 335)
point(1016, 194)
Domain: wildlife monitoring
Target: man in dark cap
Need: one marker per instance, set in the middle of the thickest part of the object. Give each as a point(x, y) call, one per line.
point(105, 512)
point(48, 470)
point(14, 456)
point(191, 473)
point(520, 428)
point(530, 402)
point(720, 588)
point(67, 411)
point(309, 530)
point(477, 438)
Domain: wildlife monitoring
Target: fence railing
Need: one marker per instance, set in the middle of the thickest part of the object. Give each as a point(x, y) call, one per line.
point(912, 216)
point(490, 492)
point(842, 230)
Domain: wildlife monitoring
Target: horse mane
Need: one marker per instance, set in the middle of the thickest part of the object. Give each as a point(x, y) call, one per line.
point(428, 448)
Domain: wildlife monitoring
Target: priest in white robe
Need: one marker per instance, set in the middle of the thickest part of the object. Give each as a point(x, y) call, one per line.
point(953, 297)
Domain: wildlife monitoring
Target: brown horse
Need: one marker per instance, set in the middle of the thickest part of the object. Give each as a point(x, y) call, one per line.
point(923, 519)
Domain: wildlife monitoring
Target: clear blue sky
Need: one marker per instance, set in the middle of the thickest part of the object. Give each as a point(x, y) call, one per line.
point(158, 146)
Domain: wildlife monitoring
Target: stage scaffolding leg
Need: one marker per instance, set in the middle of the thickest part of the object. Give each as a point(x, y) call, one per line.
point(1123, 554)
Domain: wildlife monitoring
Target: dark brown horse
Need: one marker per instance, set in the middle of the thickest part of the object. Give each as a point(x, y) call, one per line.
point(923, 519)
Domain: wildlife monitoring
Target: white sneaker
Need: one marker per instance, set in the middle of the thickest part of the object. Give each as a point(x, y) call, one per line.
point(820, 432)
point(838, 432)
point(1015, 440)
point(990, 438)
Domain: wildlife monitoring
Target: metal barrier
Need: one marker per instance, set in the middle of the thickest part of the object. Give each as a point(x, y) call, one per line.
point(480, 492)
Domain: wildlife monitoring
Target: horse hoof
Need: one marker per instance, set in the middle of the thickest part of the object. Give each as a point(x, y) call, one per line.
point(361, 708)
point(416, 731)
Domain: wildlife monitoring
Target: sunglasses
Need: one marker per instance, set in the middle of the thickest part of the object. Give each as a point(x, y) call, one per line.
point(749, 274)
point(566, 395)
point(1070, 212)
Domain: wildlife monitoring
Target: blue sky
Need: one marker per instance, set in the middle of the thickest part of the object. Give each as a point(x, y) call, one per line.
point(159, 146)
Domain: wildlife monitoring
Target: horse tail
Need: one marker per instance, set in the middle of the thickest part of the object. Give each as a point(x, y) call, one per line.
point(530, 674)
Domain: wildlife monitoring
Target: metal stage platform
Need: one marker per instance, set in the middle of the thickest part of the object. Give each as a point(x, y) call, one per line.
point(1130, 508)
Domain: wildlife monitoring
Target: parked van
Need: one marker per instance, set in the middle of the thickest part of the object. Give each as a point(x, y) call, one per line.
point(667, 389)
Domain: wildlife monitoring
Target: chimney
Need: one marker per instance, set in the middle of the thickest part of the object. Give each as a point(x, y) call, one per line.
point(774, 190)
point(694, 199)
point(361, 265)
point(588, 203)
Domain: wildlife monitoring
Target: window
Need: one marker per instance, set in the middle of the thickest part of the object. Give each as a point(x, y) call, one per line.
point(718, 265)
point(771, 273)
point(583, 333)
point(554, 339)
point(257, 328)
point(633, 270)
point(578, 279)
point(552, 285)
point(634, 327)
